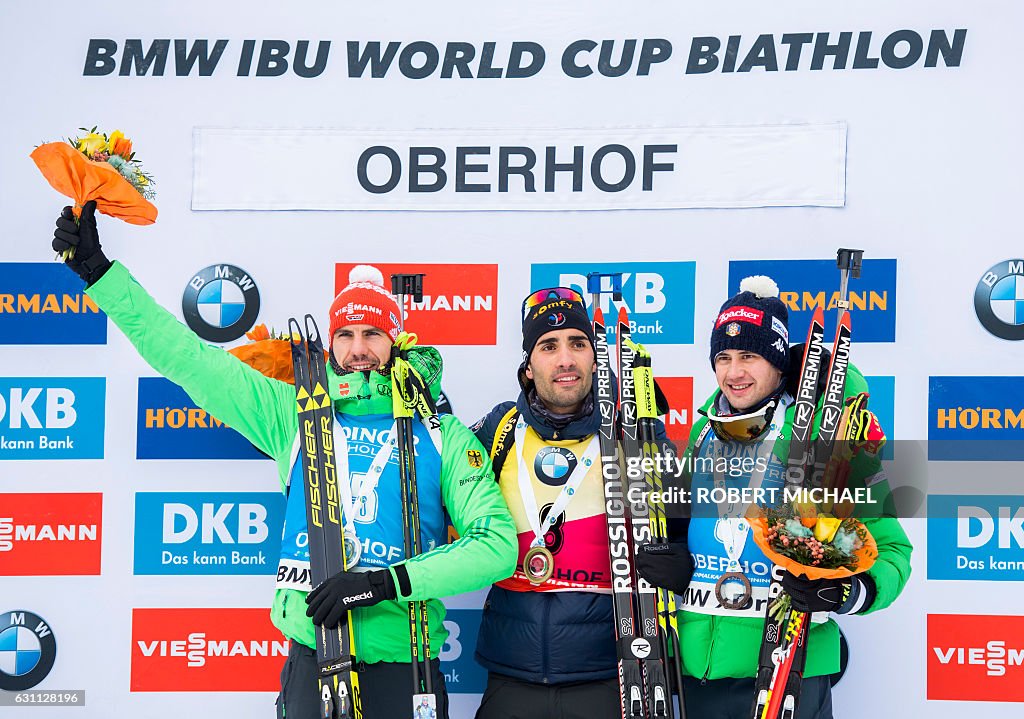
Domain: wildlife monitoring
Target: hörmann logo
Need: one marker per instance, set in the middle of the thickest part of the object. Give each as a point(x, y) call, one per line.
point(658, 295)
point(208, 532)
point(222, 649)
point(976, 418)
point(976, 537)
point(171, 426)
point(976, 657)
point(805, 285)
point(41, 303)
point(52, 417)
point(455, 297)
point(50, 534)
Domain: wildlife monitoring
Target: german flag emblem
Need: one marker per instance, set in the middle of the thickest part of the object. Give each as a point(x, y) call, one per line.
point(475, 458)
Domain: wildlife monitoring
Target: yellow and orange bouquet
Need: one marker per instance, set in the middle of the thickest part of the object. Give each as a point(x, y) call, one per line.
point(103, 168)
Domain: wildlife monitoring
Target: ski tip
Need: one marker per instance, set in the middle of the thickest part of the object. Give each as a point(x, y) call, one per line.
point(845, 322)
point(598, 316)
point(819, 315)
point(623, 316)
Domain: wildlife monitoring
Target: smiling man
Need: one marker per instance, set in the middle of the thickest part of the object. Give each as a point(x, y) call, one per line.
point(547, 636)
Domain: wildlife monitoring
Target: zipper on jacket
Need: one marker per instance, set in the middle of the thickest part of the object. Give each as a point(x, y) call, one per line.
point(284, 607)
point(544, 641)
point(711, 648)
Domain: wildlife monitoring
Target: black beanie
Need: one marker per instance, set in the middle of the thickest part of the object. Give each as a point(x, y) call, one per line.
point(755, 320)
point(554, 313)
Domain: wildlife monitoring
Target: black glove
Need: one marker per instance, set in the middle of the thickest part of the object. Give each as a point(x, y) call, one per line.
point(666, 565)
point(89, 262)
point(345, 590)
point(848, 595)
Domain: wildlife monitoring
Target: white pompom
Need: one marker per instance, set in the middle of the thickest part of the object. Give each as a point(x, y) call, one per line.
point(366, 273)
point(761, 285)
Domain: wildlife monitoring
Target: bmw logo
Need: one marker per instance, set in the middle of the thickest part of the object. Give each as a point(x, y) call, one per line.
point(999, 300)
point(220, 303)
point(554, 465)
point(27, 650)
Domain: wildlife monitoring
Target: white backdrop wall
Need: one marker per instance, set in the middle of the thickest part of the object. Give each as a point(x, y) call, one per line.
point(920, 169)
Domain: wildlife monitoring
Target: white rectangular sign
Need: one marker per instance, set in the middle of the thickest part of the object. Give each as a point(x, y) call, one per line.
point(516, 169)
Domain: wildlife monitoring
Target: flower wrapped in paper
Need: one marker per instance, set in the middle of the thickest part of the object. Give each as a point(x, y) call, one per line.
point(269, 353)
point(101, 168)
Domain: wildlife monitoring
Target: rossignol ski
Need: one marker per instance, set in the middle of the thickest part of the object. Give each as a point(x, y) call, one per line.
point(335, 649)
point(647, 413)
point(784, 641)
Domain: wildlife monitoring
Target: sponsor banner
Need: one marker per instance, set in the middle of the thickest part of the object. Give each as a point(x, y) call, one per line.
point(462, 675)
point(976, 537)
point(679, 419)
point(999, 300)
point(220, 303)
point(882, 401)
point(520, 169)
point(459, 305)
point(52, 417)
point(976, 657)
point(43, 303)
point(975, 418)
point(171, 426)
point(658, 295)
point(206, 650)
point(208, 532)
point(50, 534)
point(805, 285)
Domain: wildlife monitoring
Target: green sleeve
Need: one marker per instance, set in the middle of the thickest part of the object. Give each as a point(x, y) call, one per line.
point(486, 549)
point(260, 408)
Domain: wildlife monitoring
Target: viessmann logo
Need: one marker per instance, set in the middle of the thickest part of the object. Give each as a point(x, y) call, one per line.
point(52, 417)
point(976, 657)
point(805, 285)
point(171, 426)
point(220, 649)
point(459, 305)
point(50, 534)
point(42, 303)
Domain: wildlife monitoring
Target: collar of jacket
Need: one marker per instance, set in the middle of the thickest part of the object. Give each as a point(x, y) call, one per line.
point(361, 393)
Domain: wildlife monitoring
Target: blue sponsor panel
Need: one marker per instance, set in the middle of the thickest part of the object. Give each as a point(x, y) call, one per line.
point(44, 303)
point(658, 295)
point(461, 673)
point(208, 532)
point(805, 285)
point(976, 537)
point(976, 418)
point(52, 417)
point(882, 391)
point(171, 426)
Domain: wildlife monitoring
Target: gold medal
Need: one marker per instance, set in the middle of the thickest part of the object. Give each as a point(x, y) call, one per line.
point(538, 564)
point(733, 591)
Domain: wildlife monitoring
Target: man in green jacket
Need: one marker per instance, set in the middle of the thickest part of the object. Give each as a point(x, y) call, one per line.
point(450, 473)
point(722, 619)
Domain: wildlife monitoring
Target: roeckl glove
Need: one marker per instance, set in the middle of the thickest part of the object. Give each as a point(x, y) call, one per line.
point(849, 595)
point(88, 262)
point(346, 590)
point(666, 565)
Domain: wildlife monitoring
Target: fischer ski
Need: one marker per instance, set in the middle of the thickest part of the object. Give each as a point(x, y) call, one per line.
point(335, 650)
point(784, 641)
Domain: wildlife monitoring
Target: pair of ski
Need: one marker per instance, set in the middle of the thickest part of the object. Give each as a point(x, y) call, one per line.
point(336, 651)
point(645, 621)
point(784, 641)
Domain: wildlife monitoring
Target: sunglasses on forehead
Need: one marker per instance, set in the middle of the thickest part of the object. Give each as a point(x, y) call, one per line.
point(549, 294)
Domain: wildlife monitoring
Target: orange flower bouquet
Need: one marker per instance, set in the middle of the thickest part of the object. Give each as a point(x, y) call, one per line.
point(804, 540)
point(268, 352)
point(101, 168)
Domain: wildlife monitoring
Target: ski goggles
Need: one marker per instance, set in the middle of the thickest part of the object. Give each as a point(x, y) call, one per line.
point(748, 426)
point(549, 294)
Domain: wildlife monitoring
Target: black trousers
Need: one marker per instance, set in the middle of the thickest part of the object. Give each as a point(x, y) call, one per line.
point(734, 698)
point(507, 698)
point(385, 688)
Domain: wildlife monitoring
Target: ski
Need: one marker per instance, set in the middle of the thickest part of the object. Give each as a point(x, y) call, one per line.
point(647, 413)
point(338, 680)
point(631, 701)
point(659, 698)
